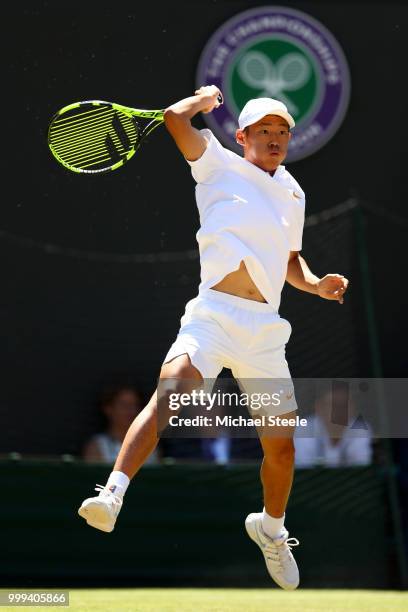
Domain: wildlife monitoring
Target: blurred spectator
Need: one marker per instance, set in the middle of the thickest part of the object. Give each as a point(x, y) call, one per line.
point(330, 444)
point(119, 405)
point(216, 450)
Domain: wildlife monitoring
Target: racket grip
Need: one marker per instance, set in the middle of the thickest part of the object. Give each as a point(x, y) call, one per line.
point(220, 99)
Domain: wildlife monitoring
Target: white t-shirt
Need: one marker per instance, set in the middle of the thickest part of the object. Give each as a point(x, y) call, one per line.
point(245, 214)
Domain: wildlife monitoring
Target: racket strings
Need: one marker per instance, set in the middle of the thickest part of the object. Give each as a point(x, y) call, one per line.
point(59, 135)
point(77, 141)
point(77, 115)
point(69, 123)
point(78, 145)
point(89, 138)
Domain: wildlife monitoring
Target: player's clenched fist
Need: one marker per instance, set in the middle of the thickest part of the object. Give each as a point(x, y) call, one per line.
point(213, 94)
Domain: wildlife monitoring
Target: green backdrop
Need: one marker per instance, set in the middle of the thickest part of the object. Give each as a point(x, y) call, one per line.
point(184, 525)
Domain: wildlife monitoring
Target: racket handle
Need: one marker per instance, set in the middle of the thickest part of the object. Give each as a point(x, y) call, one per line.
point(220, 99)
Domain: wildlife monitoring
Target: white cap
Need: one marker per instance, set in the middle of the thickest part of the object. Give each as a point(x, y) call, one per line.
point(257, 108)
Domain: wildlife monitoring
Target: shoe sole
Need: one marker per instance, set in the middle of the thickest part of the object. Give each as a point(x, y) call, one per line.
point(94, 514)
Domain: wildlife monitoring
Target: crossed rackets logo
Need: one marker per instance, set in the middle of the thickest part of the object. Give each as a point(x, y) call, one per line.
point(281, 53)
point(274, 80)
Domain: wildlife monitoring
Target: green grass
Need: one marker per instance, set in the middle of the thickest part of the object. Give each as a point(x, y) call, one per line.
point(232, 600)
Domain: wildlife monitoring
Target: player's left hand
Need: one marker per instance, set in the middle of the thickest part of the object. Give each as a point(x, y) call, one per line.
point(333, 287)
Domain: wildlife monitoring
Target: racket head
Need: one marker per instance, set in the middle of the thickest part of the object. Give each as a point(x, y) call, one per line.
point(95, 136)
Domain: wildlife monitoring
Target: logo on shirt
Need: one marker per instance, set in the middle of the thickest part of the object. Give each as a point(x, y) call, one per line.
point(280, 53)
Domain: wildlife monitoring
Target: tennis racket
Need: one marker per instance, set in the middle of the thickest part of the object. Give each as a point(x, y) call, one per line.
point(94, 136)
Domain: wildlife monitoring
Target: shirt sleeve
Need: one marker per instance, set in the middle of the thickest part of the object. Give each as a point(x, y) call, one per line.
point(214, 158)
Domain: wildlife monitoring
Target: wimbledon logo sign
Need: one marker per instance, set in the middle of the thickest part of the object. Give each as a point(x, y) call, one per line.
point(280, 53)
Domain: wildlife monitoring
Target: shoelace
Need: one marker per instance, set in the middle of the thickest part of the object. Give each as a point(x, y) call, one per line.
point(114, 497)
point(280, 552)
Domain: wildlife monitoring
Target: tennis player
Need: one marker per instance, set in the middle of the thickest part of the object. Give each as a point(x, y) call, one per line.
point(251, 224)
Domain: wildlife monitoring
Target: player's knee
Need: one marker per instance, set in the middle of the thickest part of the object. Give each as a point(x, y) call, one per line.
point(279, 450)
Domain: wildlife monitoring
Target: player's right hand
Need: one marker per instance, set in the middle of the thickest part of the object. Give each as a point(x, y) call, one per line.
point(212, 93)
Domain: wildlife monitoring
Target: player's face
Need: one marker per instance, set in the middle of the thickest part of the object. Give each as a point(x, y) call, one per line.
point(124, 408)
point(266, 142)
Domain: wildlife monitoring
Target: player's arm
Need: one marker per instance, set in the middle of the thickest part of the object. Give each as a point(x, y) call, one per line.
point(177, 119)
point(330, 287)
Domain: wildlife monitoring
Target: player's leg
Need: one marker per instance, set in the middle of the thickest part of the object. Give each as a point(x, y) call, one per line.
point(267, 528)
point(262, 369)
point(141, 438)
point(101, 512)
point(277, 473)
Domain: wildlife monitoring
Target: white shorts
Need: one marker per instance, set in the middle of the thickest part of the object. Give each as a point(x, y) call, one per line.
point(249, 337)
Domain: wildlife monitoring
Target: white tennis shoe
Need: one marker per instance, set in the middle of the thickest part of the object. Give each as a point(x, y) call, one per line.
point(101, 511)
point(279, 560)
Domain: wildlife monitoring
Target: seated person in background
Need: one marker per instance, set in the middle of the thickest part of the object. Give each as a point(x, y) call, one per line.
point(120, 405)
point(330, 444)
point(216, 450)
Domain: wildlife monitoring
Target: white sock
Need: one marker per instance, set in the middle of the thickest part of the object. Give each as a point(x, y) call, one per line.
point(272, 526)
point(117, 483)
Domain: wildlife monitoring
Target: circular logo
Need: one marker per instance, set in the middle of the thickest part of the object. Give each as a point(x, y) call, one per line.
point(281, 53)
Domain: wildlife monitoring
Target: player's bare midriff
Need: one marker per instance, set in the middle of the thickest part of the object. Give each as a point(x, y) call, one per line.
point(239, 283)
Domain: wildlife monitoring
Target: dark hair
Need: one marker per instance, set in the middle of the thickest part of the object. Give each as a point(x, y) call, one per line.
point(111, 392)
